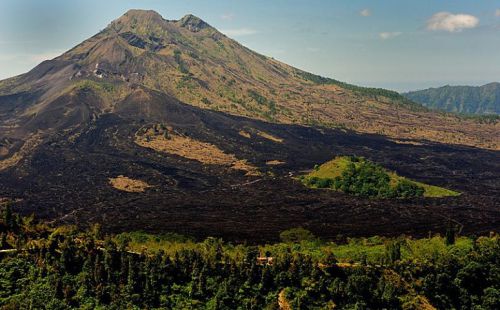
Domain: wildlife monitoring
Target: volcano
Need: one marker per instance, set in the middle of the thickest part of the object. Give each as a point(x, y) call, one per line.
point(171, 126)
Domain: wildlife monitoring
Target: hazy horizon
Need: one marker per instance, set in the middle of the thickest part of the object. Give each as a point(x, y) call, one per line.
point(387, 44)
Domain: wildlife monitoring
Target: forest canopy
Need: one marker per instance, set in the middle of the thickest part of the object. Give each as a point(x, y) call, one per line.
point(43, 267)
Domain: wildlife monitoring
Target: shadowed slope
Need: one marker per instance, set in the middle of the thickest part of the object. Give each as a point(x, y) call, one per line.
point(67, 179)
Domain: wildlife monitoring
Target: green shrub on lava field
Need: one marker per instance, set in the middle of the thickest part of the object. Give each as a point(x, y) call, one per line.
point(361, 177)
point(407, 189)
point(295, 235)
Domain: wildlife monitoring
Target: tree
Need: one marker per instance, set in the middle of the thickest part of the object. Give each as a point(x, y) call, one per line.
point(491, 298)
point(408, 189)
point(132, 275)
point(364, 179)
point(450, 234)
point(66, 272)
point(296, 235)
point(3, 241)
point(8, 218)
point(393, 251)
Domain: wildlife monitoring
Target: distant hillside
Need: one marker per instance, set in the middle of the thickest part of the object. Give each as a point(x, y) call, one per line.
point(461, 99)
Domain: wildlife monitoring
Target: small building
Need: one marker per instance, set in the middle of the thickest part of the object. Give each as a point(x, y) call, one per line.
point(264, 261)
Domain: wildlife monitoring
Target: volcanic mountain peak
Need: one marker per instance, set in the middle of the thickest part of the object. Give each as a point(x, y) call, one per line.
point(140, 16)
point(151, 23)
point(141, 22)
point(143, 14)
point(191, 62)
point(193, 23)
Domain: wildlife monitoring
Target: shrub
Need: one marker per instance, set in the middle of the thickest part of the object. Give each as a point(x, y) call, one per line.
point(257, 97)
point(407, 189)
point(206, 101)
point(178, 59)
point(363, 178)
point(296, 235)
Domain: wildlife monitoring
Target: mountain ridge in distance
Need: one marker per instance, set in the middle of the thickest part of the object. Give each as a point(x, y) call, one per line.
point(481, 100)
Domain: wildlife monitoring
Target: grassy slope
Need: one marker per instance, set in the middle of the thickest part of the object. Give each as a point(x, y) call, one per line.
point(335, 167)
point(209, 70)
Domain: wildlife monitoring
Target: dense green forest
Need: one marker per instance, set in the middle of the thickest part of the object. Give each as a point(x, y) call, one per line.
point(43, 267)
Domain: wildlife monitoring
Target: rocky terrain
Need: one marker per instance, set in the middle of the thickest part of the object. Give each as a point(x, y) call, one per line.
point(191, 61)
point(67, 179)
point(170, 126)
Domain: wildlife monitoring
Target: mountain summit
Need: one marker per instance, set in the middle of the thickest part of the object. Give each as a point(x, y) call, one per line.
point(193, 23)
point(148, 22)
point(193, 62)
point(140, 17)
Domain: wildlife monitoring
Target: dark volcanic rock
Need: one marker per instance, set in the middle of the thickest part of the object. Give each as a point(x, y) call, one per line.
point(70, 124)
point(68, 181)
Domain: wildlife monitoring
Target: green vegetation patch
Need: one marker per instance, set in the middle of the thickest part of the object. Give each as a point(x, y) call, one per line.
point(361, 177)
point(261, 100)
point(100, 87)
point(46, 267)
point(183, 68)
point(375, 250)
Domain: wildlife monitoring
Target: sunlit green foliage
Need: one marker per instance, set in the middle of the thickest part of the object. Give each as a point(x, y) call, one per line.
point(358, 176)
point(62, 268)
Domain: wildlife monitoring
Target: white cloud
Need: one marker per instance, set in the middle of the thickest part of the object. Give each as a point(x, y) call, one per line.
point(365, 12)
point(497, 13)
point(389, 35)
point(446, 21)
point(227, 16)
point(239, 32)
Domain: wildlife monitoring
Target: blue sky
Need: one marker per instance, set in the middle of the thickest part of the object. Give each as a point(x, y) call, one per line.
point(394, 44)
